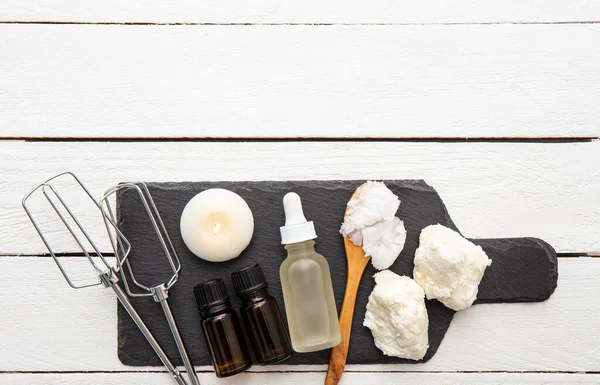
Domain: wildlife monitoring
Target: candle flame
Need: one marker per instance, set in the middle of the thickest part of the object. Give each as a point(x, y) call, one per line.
point(216, 227)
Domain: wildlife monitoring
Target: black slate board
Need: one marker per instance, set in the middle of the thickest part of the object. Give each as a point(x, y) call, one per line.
point(523, 269)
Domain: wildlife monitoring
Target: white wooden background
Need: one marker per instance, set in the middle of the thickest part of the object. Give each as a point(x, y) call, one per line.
point(495, 103)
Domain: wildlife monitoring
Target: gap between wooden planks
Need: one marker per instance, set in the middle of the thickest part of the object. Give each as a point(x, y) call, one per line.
point(309, 11)
point(143, 23)
point(306, 378)
point(499, 139)
point(77, 255)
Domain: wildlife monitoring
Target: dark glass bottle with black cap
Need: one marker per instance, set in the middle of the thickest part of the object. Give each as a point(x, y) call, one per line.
point(222, 329)
point(260, 316)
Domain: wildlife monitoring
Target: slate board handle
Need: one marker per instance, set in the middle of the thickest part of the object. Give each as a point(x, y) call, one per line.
point(512, 281)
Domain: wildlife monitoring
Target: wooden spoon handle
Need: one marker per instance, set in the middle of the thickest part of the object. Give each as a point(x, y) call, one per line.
point(339, 353)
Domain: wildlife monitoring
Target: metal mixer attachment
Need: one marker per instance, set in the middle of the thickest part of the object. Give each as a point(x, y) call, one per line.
point(158, 291)
point(107, 274)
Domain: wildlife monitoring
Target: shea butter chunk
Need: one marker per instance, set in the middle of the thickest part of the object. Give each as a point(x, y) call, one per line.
point(397, 316)
point(449, 267)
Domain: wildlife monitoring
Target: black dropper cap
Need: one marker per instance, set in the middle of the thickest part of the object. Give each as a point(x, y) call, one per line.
point(211, 294)
point(248, 280)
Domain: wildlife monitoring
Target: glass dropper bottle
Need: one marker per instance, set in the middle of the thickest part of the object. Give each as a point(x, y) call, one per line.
point(260, 316)
point(306, 283)
point(222, 330)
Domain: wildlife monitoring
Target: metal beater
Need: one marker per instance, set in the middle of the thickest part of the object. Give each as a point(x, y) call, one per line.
point(159, 292)
point(108, 275)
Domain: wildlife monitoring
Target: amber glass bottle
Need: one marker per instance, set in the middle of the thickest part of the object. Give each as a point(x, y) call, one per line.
point(260, 316)
point(222, 329)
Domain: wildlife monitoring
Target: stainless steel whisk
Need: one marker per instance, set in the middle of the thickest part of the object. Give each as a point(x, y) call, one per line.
point(108, 275)
point(159, 292)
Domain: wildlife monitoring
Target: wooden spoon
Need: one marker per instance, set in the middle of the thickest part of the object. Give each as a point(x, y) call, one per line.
point(357, 261)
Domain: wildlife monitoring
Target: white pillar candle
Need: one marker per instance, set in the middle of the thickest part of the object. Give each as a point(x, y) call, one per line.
point(217, 225)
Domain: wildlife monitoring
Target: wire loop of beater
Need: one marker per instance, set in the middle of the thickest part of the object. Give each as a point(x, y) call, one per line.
point(47, 190)
point(161, 232)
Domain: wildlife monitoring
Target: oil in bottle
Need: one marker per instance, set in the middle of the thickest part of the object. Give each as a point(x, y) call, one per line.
point(306, 282)
point(260, 316)
point(222, 329)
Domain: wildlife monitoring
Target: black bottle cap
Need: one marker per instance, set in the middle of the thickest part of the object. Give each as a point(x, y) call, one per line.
point(211, 293)
point(248, 280)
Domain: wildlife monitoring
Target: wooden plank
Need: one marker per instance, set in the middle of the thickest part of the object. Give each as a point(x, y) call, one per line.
point(547, 190)
point(51, 327)
point(311, 11)
point(304, 378)
point(265, 81)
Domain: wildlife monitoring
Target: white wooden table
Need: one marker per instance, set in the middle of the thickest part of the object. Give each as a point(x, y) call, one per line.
point(254, 90)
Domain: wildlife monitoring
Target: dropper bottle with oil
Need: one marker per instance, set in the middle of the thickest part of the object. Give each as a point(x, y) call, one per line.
point(306, 282)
